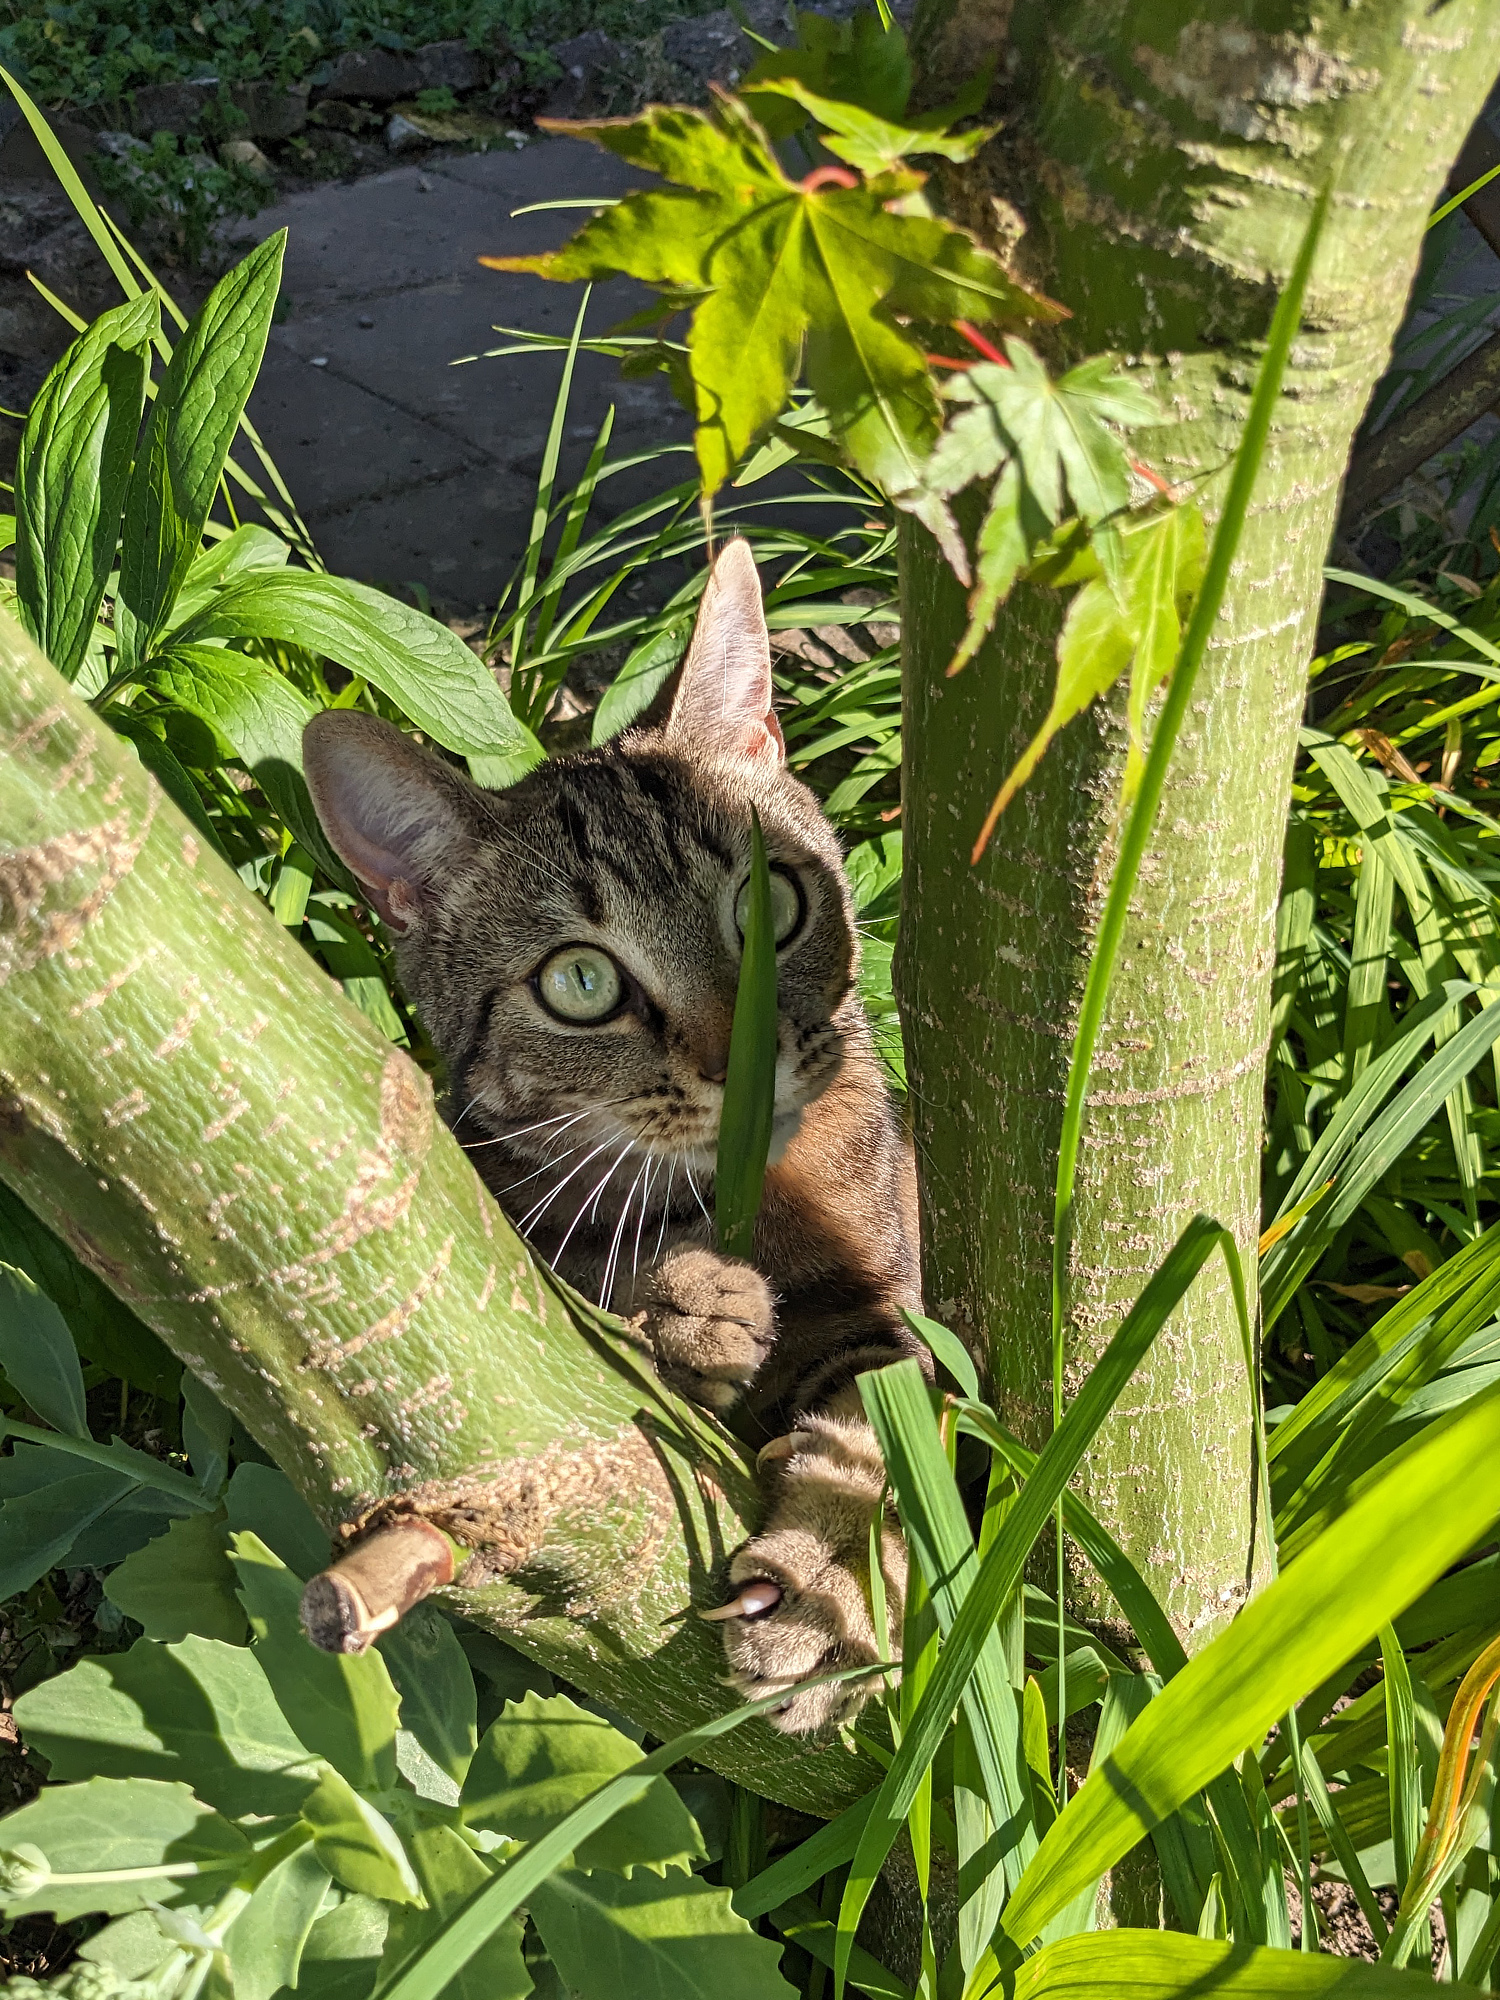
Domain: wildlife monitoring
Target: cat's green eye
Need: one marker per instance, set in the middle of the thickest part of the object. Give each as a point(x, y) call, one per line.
point(580, 983)
point(786, 906)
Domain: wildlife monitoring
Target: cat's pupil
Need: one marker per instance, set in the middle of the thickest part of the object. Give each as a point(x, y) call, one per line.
point(786, 906)
point(580, 984)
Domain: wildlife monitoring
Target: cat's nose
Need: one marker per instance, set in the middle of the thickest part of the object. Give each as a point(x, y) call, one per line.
point(710, 1050)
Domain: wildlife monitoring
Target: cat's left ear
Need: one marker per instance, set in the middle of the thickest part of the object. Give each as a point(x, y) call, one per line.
point(723, 707)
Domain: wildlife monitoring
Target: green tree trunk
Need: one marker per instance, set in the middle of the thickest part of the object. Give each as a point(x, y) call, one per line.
point(1165, 160)
point(239, 1154)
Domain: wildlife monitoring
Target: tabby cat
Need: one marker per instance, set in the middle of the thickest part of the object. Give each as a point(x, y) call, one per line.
point(573, 946)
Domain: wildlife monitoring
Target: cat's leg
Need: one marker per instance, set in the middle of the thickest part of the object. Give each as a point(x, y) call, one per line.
point(711, 1321)
point(801, 1602)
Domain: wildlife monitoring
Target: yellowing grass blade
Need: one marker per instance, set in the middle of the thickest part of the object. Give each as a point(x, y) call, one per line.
point(1426, 1509)
point(1164, 1965)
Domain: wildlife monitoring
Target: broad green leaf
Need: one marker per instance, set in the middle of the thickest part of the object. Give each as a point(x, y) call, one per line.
point(192, 423)
point(356, 1844)
point(787, 276)
point(1428, 1505)
point(162, 762)
point(1164, 1965)
point(678, 1936)
point(37, 1355)
point(106, 1331)
point(182, 1582)
point(263, 1499)
point(542, 1758)
point(70, 478)
point(341, 1959)
point(1163, 568)
point(436, 1686)
point(38, 1527)
point(428, 671)
point(748, 1113)
point(200, 1711)
point(131, 1946)
point(206, 1431)
point(175, 1847)
point(261, 716)
point(248, 549)
point(265, 1940)
point(450, 1871)
point(341, 1705)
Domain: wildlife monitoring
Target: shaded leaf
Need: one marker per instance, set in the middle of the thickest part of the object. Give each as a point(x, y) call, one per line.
point(39, 1526)
point(197, 1711)
point(182, 1848)
point(543, 1757)
point(37, 1354)
point(266, 1939)
point(262, 1498)
point(182, 1582)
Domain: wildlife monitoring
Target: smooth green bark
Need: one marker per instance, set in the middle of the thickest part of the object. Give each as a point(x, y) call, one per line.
point(238, 1153)
point(1165, 159)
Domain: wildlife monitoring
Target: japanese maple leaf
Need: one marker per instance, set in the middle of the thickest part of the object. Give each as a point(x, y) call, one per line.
point(786, 276)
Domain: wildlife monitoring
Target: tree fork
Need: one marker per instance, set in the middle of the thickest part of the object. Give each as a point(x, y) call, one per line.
point(1166, 167)
point(239, 1154)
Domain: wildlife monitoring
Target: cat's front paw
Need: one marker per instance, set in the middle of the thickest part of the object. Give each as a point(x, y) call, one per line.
point(800, 1592)
point(710, 1321)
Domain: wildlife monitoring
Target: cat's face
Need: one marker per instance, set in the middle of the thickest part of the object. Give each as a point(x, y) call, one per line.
point(573, 944)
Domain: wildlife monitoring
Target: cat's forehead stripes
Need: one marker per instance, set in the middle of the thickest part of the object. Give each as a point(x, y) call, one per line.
point(637, 824)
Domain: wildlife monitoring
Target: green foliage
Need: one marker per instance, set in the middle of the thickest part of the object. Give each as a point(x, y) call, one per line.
point(782, 275)
point(174, 184)
point(748, 1117)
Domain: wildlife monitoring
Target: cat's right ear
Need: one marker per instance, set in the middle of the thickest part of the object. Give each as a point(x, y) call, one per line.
point(397, 815)
point(723, 706)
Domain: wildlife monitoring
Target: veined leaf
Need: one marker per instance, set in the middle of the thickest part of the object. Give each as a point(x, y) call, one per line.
point(342, 1705)
point(1164, 1965)
point(436, 1686)
point(356, 1844)
point(776, 266)
point(868, 141)
point(199, 1710)
point(266, 1939)
point(192, 424)
point(38, 1527)
point(1428, 1505)
point(173, 1846)
point(676, 1936)
point(70, 478)
point(426, 669)
point(542, 1757)
point(860, 62)
point(37, 1355)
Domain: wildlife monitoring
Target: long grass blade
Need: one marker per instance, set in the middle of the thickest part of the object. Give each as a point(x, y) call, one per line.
point(750, 1082)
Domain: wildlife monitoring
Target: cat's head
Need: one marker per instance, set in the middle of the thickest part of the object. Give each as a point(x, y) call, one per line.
point(572, 944)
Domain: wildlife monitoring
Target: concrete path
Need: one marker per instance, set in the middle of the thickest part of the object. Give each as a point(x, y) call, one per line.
point(407, 468)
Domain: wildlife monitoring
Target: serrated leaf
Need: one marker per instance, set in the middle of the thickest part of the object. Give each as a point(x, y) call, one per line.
point(182, 1848)
point(182, 1582)
point(1163, 569)
point(450, 1871)
point(541, 1757)
point(37, 1354)
point(608, 1936)
point(356, 1844)
point(427, 670)
point(341, 1705)
point(1000, 556)
point(200, 1711)
point(436, 1686)
point(858, 62)
point(266, 1939)
point(71, 472)
point(869, 141)
point(788, 274)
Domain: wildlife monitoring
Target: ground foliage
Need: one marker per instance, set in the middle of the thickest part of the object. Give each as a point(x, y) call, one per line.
point(228, 1811)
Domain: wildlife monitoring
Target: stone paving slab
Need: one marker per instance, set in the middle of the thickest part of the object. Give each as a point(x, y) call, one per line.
point(407, 468)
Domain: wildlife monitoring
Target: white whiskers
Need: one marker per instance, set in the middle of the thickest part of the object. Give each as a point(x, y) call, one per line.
point(563, 1118)
point(592, 1195)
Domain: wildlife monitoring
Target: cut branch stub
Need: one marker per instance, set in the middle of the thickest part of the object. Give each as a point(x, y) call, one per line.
point(365, 1593)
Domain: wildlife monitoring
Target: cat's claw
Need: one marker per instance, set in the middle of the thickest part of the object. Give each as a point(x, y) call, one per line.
point(801, 1603)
